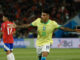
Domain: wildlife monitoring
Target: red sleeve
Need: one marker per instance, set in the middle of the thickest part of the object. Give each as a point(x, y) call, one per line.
point(2, 27)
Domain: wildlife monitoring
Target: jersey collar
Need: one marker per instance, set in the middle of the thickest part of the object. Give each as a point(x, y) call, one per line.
point(46, 22)
point(6, 21)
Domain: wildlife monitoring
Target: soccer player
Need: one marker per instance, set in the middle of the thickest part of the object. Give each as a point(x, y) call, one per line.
point(7, 34)
point(45, 28)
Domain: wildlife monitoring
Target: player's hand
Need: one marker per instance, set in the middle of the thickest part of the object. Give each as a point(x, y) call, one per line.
point(12, 25)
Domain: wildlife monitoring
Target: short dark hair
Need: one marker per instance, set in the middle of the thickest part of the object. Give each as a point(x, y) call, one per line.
point(8, 16)
point(46, 10)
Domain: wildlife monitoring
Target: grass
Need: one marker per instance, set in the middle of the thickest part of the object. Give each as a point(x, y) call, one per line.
point(55, 54)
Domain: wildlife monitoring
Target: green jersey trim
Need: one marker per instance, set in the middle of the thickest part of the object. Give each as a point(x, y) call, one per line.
point(59, 26)
point(46, 22)
point(31, 24)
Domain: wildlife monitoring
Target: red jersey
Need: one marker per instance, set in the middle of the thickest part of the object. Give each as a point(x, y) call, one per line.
point(7, 32)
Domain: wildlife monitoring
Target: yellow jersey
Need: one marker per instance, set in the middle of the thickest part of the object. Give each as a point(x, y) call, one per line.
point(45, 31)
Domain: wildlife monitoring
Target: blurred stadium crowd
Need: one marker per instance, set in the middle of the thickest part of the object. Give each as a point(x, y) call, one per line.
point(26, 11)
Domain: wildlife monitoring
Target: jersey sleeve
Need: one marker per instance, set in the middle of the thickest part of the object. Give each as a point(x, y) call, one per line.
point(56, 25)
point(34, 23)
point(2, 27)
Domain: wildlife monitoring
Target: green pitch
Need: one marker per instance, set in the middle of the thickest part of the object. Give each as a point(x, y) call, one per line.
point(55, 54)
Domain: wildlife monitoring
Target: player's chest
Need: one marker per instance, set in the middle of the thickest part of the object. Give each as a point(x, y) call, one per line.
point(45, 27)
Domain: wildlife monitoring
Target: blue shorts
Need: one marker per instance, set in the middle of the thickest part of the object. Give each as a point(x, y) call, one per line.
point(8, 46)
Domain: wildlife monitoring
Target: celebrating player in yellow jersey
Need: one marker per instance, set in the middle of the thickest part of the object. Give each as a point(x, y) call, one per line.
point(45, 28)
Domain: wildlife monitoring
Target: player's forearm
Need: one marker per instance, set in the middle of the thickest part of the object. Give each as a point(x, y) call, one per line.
point(68, 29)
point(23, 26)
point(72, 30)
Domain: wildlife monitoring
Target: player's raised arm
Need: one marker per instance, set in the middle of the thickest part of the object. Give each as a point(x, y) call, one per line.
point(68, 29)
point(34, 23)
point(21, 26)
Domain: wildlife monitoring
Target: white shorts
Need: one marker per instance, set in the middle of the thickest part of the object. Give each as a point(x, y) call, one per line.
point(44, 48)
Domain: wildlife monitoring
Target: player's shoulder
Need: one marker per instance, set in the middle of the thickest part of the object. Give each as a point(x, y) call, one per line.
point(3, 24)
point(53, 21)
point(38, 19)
point(11, 22)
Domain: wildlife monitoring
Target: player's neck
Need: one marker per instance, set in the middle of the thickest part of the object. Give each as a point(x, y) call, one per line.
point(45, 21)
point(6, 20)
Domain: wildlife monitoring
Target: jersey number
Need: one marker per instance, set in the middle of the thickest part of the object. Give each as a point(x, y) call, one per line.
point(9, 30)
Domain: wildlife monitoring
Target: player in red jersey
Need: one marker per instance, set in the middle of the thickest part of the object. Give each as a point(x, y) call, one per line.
point(7, 34)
